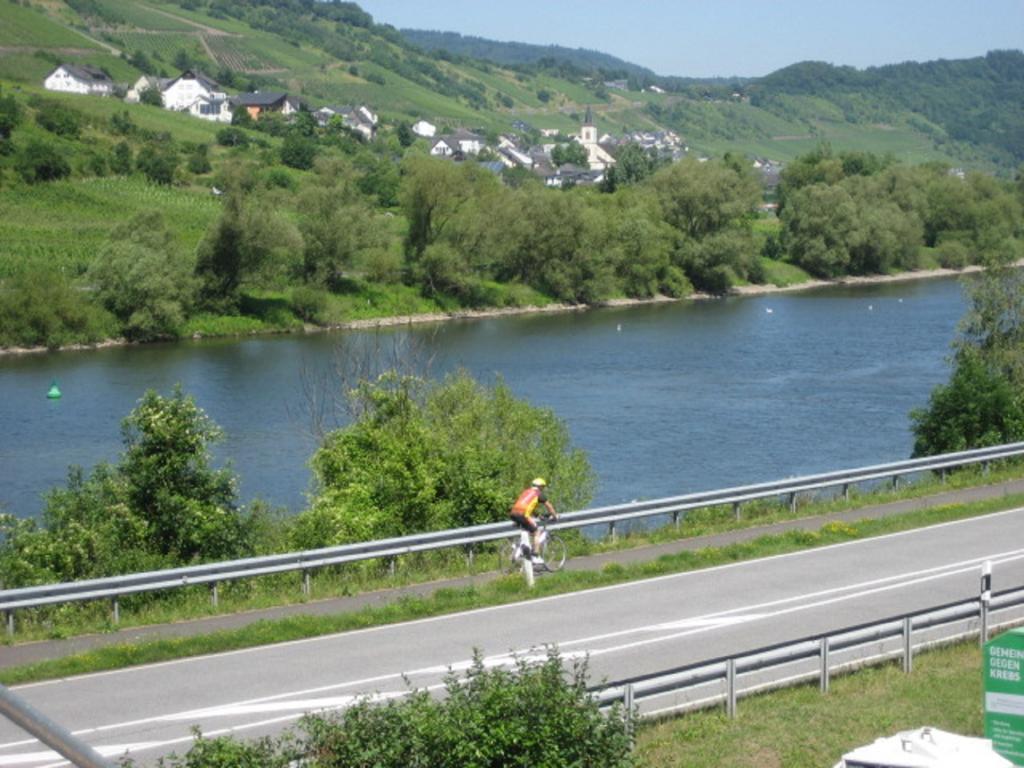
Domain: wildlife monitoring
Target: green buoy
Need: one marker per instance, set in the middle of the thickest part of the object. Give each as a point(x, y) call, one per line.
point(54, 393)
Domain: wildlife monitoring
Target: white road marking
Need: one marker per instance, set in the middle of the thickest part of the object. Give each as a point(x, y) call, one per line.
point(689, 626)
point(538, 601)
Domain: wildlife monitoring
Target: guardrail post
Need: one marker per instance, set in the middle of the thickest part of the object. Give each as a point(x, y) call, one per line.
point(908, 645)
point(306, 585)
point(736, 510)
point(895, 482)
point(611, 530)
point(9, 621)
point(984, 467)
point(675, 518)
point(469, 556)
point(115, 605)
point(213, 594)
point(792, 503)
point(823, 649)
point(986, 598)
point(627, 704)
point(942, 475)
point(730, 684)
point(392, 564)
point(846, 491)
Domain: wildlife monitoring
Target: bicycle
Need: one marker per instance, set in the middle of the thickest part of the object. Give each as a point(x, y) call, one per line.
point(552, 549)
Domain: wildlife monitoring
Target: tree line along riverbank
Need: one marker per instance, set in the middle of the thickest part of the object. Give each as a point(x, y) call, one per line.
point(476, 314)
point(347, 231)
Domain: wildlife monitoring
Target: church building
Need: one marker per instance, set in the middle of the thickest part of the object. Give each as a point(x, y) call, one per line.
point(597, 157)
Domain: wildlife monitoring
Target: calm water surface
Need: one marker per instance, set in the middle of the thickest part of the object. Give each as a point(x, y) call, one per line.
point(665, 399)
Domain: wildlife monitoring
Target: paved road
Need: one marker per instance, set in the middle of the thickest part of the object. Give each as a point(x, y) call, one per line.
point(626, 630)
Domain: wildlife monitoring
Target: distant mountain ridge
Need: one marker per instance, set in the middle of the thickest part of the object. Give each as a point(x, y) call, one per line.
point(517, 54)
point(978, 100)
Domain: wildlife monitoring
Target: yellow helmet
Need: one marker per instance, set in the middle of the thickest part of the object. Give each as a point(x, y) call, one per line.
point(539, 482)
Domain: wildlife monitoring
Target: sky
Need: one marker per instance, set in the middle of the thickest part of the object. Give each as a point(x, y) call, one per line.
point(723, 38)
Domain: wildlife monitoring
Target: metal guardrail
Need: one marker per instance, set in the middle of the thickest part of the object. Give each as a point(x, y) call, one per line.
point(726, 670)
point(113, 587)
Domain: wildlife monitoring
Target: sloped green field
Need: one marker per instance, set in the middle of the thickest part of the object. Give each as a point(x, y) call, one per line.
point(20, 26)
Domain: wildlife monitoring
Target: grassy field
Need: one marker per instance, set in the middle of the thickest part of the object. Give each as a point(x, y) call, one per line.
point(801, 728)
point(32, 235)
point(25, 27)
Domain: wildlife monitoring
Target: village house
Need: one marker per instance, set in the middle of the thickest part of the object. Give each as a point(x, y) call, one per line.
point(216, 109)
point(180, 93)
point(424, 129)
point(359, 119)
point(444, 146)
point(79, 78)
point(571, 175)
point(514, 157)
point(146, 83)
point(461, 142)
point(261, 102)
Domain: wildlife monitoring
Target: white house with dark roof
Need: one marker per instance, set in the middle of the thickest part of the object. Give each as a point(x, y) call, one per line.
point(79, 78)
point(359, 119)
point(183, 91)
point(444, 146)
point(217, 110)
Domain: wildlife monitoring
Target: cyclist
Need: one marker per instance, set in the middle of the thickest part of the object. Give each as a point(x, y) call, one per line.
point(522, 512)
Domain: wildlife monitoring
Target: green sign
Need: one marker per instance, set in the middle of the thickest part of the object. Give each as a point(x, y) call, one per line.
point(1003, 679)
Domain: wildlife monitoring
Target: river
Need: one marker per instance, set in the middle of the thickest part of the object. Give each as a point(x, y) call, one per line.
point(665, 399)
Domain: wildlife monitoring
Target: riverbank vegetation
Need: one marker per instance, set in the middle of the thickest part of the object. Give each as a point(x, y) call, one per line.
point(983, 402)
point(139, 232)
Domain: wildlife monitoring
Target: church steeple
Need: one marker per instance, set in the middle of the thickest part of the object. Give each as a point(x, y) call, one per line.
point(588, 133)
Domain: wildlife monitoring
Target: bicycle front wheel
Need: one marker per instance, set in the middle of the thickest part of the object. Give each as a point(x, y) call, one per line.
point(555, 553)
point(509, 555)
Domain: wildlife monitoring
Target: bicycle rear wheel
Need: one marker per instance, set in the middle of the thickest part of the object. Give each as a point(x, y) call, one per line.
point(555, 553)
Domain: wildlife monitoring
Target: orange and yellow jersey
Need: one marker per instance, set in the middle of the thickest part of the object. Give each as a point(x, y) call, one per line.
point(528, 500)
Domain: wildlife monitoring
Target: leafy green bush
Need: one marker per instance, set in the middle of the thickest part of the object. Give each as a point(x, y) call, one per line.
point(158, 163)
point(977, 408)
point(161, 505)
point(42, 309)
point(143, 278)
point(10, 116)
point(232, 137)
point(534, 715)
point(425, 456)
point(309, 303)
point(953, 254)
point(298, 151)
point(40, 161)
point(58, 118)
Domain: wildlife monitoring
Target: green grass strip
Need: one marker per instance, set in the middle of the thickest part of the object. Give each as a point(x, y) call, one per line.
point(802, 728)
point(501, 591)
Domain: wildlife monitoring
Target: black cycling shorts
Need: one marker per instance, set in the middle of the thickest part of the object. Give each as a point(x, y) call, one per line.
point(523, 521)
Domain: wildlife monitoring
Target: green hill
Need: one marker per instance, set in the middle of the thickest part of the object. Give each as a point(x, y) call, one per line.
point(963, 112)
point(519, 54)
